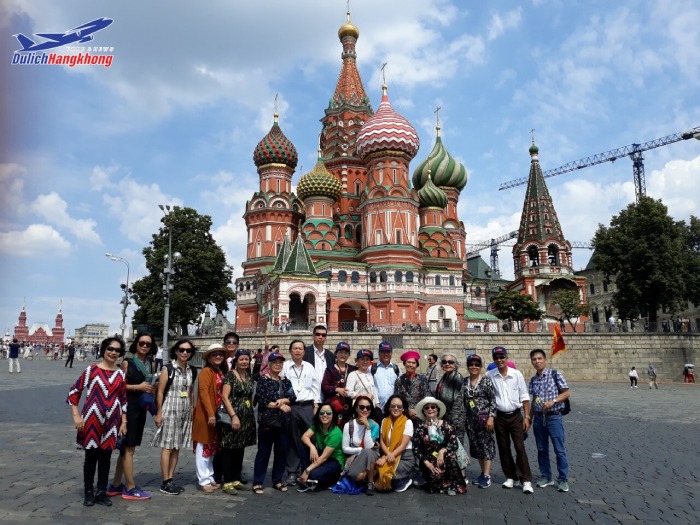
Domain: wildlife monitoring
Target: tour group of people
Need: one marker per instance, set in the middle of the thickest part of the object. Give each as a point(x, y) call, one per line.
point(364, 427)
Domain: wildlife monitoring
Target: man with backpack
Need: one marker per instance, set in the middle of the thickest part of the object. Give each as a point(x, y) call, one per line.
point(550, 394)
point(385, 373)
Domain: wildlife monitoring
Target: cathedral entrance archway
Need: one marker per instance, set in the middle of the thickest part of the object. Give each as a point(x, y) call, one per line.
point(301, 310)
point(352, 315)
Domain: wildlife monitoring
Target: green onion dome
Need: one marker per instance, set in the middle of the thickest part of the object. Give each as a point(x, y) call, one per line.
point(319, 182)
point(446, 171)
point(431, 196)
point(275, 148)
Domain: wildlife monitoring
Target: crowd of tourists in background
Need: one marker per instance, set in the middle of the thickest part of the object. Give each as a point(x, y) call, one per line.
point(370, 426)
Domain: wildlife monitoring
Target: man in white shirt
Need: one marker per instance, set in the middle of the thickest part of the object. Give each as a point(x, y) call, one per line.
point(307, 388)
point(511, 396)
point(385, 373)
point(317, 355)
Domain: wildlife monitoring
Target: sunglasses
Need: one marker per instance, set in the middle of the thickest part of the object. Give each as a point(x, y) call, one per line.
point(116, 349)
point(363, 407)
point(231, 342)
point(445, 362)
point(325, 413)
point(470, 365)
point(185, 350)
point(499, 357)
point(430, 407)
point(396, 406)
point(217, 354)
point(320, 335)
point(145, 344)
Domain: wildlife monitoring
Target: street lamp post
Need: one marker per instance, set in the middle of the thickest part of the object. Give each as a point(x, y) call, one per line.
point(167, 272)
point(125, 288)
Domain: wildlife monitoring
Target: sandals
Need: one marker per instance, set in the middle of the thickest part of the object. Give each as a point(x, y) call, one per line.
point(258, 489)
point(280, 486)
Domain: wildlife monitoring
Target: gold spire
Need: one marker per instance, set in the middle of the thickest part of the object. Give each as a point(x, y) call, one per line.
point(348, 28)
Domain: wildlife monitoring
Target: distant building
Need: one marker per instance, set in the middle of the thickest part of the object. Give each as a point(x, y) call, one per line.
point(91, 333)
point(40, 333)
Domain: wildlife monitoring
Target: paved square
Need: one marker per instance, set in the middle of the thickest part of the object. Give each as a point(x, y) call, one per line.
point(650, 472)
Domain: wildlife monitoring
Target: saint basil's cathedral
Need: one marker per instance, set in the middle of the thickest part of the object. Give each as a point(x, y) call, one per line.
point(364, 242)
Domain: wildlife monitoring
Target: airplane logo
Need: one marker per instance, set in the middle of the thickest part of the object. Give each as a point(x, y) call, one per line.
point(79, 35)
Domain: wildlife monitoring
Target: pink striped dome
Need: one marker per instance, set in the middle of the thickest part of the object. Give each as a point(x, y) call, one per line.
point(386, 130)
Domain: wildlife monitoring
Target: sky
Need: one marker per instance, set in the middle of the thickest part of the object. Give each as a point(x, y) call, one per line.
point(88, 153)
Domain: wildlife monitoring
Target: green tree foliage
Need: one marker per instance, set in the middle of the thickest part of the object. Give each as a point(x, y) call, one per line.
point(201, 275)
point(517, 307)
point(570, 304)
point(649, 255)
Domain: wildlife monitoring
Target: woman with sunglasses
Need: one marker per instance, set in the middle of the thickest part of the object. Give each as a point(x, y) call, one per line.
point(237, 395)
point(102, 419)
point(209, 397)
point(174, 416)
point(361, 382)
point(480, 401)
point(411, 386)
point(396, 466)
point(435, 447)
point(139, 381)
point(334, 384)
point(361, 444)
point(325, 459)
point(449, 391)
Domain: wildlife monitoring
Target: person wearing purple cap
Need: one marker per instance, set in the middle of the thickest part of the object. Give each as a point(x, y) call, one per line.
point(385, 373)
point(334, 384)
point(512, 396)
point(411, 386)
point(360, 382)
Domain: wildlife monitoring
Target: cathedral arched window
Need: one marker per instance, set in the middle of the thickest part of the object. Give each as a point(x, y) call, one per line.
point(441, 312)
point(382, 277)
point(348, 231)
point(342, 276)
point(438, 280)
point(358, 188)
point(373, 277)
point(452, 280)
point(355, 277)
point(553, 254)
point(398, 276)
point(477, 291)
point(358, 234)
point(533, 255)
point(409, 277)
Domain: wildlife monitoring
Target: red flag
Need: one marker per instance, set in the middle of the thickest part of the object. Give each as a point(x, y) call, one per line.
point(558, 344)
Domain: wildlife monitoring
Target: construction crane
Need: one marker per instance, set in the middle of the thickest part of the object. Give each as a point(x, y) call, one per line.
point(495, 243)
point(633, 151)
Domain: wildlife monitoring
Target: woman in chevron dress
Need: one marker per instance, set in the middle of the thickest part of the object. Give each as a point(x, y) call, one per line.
point(102, 419)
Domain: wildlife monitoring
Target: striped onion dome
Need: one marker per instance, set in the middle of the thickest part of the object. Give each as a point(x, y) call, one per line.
point(275, 148)
point(319, 182)
point(446, 171)
point(386, 130)
point(431, 196)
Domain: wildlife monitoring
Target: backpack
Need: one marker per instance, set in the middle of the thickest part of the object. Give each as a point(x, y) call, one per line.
point(373, 369)
point(567, 403)
point(171, 375)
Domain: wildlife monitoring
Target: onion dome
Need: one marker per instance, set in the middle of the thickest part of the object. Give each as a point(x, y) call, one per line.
point(446, 171)
point(319, 182)
point(348, 29)
point(386, 130)
point(275, 148)
point(534, 150)
point(431, 196)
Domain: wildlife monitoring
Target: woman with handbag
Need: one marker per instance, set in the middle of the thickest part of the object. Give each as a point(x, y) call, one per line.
point(139, 395)
point(411, 386)
point(174, 416)
point(274, 396)
point(334, 384)
point(396, 467)
point(480, 402)
point(449, 391)
point(361, 444)
point(435, 447)
point(204, 435)
point(238, 429)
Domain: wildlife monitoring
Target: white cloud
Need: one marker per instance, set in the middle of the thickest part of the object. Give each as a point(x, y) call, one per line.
point(55, 210)
point(12, 194)
point(500, 23)
point(678, 185)
point(36, 240)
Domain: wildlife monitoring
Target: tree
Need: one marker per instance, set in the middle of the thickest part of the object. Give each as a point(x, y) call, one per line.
point(570, 303)
point(201, 276)
point(646, 252)
point(517, 307)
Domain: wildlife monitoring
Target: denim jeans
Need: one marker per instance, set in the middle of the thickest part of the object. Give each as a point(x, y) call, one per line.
point(545, 429)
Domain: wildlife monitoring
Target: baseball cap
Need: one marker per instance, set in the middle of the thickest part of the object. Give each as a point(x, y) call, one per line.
point(275, 355)
point(365, 353)
point(499, 350)
point(385, 347)
point(342, 346)
point(474, 357)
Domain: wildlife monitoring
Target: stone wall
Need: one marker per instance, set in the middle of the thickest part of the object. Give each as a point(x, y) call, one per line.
point(594, 357)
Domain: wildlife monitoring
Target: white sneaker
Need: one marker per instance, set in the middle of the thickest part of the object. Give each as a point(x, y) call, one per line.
point(527, 488)
point(510, 483)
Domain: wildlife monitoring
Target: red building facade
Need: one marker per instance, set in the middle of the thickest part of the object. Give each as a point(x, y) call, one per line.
point(40, 333)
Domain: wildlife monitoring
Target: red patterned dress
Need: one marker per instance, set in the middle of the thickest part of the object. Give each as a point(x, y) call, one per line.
point(105, 401)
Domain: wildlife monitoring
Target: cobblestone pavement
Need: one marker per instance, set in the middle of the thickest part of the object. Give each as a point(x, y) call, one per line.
point(650, 473)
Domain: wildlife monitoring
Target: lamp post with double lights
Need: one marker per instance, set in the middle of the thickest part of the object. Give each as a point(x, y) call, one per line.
point(125, 288)
point(168, 271)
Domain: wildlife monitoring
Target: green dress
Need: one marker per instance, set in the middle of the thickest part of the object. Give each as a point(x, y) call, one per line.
point(241, 400)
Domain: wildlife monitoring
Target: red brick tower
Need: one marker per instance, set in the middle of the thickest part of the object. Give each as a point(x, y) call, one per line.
point(22, 330)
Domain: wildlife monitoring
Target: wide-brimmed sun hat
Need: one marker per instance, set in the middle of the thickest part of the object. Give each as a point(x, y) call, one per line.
point(442, 409)
point(213, 348)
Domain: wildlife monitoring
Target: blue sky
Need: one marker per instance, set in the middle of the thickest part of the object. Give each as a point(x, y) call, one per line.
point(88, 153)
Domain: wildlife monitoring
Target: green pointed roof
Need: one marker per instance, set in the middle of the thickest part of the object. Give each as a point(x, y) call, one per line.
point(299, 262)
point(446, 171)
point(282, 256)
point(431, 196)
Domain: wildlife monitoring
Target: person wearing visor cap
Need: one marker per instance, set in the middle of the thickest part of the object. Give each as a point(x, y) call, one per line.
point(334, 384)
point(512, 401)
point(361, 382)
